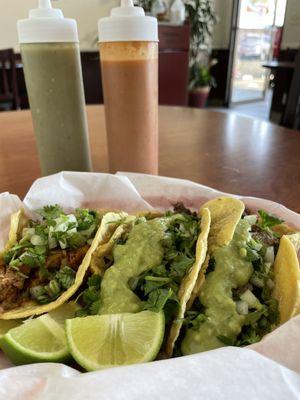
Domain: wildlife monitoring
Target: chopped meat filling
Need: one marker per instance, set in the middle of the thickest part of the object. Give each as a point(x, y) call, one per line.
point(14, 283)
point(264, 236)
point(11, 285)
point(75, 257)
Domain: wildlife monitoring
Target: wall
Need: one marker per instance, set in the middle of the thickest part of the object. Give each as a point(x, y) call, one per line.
point(87, 13)
point(291, 35)
point(222, 29)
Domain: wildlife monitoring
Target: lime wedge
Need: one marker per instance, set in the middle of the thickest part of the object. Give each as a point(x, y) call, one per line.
point(105, 341)
point(40, 339)
point(64, 312)
point(7, 324)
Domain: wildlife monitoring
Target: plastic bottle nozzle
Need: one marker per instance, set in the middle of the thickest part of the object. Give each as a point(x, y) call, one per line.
point(128, 23)
point(45, 4)
point(127, 3)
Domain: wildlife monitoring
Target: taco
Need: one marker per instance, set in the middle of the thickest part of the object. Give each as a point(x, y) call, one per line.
point(45, 260)
point(249, 284)
point(150, 263)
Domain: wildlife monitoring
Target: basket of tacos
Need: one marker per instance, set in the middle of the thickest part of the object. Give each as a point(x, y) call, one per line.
point(149, 285)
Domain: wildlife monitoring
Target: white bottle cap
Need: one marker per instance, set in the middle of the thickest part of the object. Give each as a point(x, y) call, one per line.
point(128, 23)
point(47, 25)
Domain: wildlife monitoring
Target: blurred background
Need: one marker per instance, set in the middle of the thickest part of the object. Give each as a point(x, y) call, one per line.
point(237, 55)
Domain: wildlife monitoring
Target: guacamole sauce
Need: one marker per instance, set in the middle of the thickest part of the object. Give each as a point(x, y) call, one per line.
point(231, 271)
point(141, 252)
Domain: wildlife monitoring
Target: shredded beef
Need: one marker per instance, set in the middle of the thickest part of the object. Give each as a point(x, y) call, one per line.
point(180, 208)
point(11, 285)
point(246, 212)
point(75, 257)
point(54, 260)
point(264, 236)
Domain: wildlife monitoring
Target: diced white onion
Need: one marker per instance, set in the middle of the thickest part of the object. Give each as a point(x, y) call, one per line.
point(251, 299)
point(63, 244)
point(242, 307)
point(52, 242)
point(256, 281)
point(72, 218)
point(269, 256)
point(28, 232)
point(252, 219)
point(62, 227)
point(37, 240)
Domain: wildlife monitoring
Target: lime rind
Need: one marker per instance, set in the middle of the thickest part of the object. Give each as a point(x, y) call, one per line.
point(37, 340)
point(111, 340)
point(20, 355)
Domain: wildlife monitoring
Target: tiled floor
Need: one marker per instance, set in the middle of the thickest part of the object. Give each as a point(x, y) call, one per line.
point(259, 109)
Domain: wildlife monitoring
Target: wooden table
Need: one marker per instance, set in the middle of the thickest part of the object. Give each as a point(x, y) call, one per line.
point(223, 150)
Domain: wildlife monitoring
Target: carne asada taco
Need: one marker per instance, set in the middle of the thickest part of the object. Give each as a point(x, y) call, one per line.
point(45, 260)
point(252, 280)
point(152, 264)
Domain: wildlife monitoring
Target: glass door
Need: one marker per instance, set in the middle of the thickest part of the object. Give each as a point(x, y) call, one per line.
point(253, 47)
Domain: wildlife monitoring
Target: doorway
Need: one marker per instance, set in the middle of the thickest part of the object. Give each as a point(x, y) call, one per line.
point(255, 29)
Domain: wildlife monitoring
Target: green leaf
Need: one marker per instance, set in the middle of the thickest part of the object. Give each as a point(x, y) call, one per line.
point(180, 265)
point(252, 254)
point(83, 312)
point(268, 220)
point(50, 212)
point(95, 307)
point(65, 277)
point(254, 316)
point(151, 285)
point(249, 337)
point(85, 218)
point(90, 297)
point(194, 319)
point(32, 259)
point(94, 280)
point(8, 256)
point(273, 311)
point(75, 240)
point(158, 298)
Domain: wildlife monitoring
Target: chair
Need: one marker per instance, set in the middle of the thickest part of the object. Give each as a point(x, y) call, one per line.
point(291, 116)
point(9, 96)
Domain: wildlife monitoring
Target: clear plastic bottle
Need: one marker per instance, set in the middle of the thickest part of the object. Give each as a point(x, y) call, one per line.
point(128, 43)
point(51, 59)
point(177, 12)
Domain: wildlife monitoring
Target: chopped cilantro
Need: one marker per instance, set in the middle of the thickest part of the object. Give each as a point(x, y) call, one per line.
point(268, 220)
point(194, 319)
point(162, 299)
point(249, 336)
point(90, 297)
point(159, 286)
point(50, 212)
point(85, 218)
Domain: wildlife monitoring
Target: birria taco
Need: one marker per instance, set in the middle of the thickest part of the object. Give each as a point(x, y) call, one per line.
point(249, 284)
point(151, 263)
point(45, 260)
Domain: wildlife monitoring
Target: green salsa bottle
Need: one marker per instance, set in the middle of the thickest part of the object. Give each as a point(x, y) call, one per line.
point(51, 60)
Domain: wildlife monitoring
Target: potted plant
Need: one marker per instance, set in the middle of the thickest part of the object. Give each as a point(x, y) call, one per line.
point(146, 4)
point(202, 18)
point(201, 82)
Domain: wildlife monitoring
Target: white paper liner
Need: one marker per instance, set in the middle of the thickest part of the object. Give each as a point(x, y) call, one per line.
point(227, 373)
